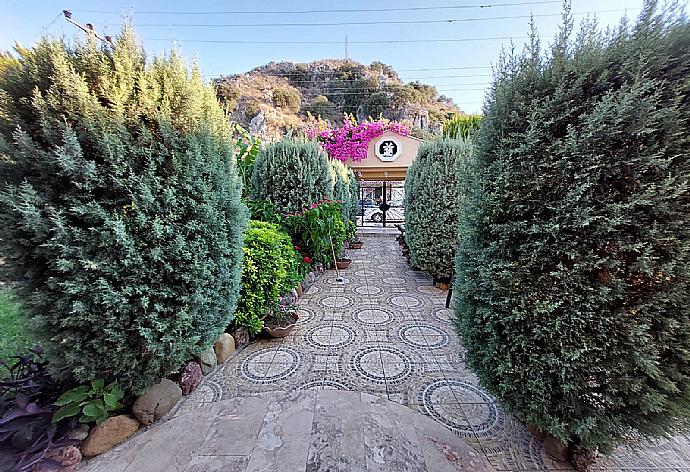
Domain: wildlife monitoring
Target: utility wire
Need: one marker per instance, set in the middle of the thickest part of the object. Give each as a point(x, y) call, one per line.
point(365, 23)
point(341, 10)
point(385, 41)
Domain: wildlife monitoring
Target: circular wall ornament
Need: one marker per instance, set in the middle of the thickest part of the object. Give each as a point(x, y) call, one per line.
point(388, 148)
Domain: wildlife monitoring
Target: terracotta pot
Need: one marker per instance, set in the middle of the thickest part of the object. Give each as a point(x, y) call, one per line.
point(356, 244)
point(343, 263)
point(281, 331)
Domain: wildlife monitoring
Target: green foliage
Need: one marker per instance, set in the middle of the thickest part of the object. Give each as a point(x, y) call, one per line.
point(287, 98)
point(345, 191)
point(93, 403)
point(434, 190)
point(246, 148)
point(13, 336)
point(292, 175)
point(261, 210)
point(271, 268)
point(573, 296)
point(120, 211)
point(323, 108)
point(461, 126)
point(316, 228)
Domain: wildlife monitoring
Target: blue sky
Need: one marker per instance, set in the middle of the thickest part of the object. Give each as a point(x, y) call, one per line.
point(460, 69)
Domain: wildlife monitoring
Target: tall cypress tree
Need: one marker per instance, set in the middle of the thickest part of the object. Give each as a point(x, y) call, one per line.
point(120, 211)
point(573, 297)
point(434, 189)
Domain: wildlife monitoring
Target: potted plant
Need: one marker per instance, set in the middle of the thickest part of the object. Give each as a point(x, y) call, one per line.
point(356, 244)
point(343, 263)
point(281, 321)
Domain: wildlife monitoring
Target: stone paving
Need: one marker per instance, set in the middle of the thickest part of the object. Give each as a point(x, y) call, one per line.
point(385, 331)
point(300, 430)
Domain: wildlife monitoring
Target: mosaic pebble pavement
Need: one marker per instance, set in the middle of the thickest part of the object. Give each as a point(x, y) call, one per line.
point(385, 331)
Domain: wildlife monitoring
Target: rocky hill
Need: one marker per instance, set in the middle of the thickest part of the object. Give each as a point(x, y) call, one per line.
point(276, 98)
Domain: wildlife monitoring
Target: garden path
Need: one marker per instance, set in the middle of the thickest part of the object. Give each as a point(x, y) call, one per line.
point(385, 331)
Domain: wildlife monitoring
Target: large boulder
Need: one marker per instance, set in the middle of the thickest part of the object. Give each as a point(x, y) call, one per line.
point(224, 347)
point(157, 401)
point(109, 434)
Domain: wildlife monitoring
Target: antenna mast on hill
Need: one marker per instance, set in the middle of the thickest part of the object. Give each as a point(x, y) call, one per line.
point(347, 48)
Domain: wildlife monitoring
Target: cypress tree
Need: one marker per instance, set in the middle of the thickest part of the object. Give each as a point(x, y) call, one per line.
point(292, 175)
point(120, 211)
point(433, 191)
point(573, 297)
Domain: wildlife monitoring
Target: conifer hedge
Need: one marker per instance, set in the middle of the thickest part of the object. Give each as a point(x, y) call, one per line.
point(433, 189)
point(291, 175)
point(573, 297)
point(120, 211)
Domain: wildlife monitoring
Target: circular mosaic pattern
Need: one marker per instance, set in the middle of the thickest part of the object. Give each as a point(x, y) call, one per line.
point(283, 362)
point(336, 301)
point(429, 290)
point(405, 301)
point(314, 289)
point(326, 336)
point(440, 399)
point(336, 282)
point(372, 316)
point(322, 385)
point(393, 280)
point(442, 314)
point(423, 335)
point(368, 290)
point(305, 315)
point(367, 273)
point(367, 364)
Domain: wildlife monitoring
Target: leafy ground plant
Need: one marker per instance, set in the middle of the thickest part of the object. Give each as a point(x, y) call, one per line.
point(27, 432)
point(92, 403)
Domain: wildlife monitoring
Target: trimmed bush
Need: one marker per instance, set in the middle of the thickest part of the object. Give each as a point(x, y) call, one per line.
point(432, 204)
point(573, 297)
point(291, 175)
point(271, 269)
point(121, 219)
point(346, 190)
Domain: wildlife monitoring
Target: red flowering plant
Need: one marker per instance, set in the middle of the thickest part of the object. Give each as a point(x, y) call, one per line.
point(313, 228)
point(351, 140)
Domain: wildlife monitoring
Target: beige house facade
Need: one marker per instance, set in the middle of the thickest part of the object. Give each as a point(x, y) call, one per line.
point(388, 158)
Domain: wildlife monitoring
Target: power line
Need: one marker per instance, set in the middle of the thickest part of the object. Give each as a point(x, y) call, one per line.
point(342, 10)
point(365, 23)
point(319, 81)
point(444, 68)
point(385, 41)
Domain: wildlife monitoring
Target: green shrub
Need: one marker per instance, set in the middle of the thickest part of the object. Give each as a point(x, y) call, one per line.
point(291, 175)
point(316, 228)
point(461, 126)
point(120, 211)
point(433, 190)
point(287, 98)
point(346, 191)
point(573, 297)
point(271, 269)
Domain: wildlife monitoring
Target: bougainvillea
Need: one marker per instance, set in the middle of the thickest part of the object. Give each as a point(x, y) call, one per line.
point(351, 140)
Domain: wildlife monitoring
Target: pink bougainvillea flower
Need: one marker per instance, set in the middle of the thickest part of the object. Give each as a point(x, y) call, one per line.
point(297, 248)
point(307, 259)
